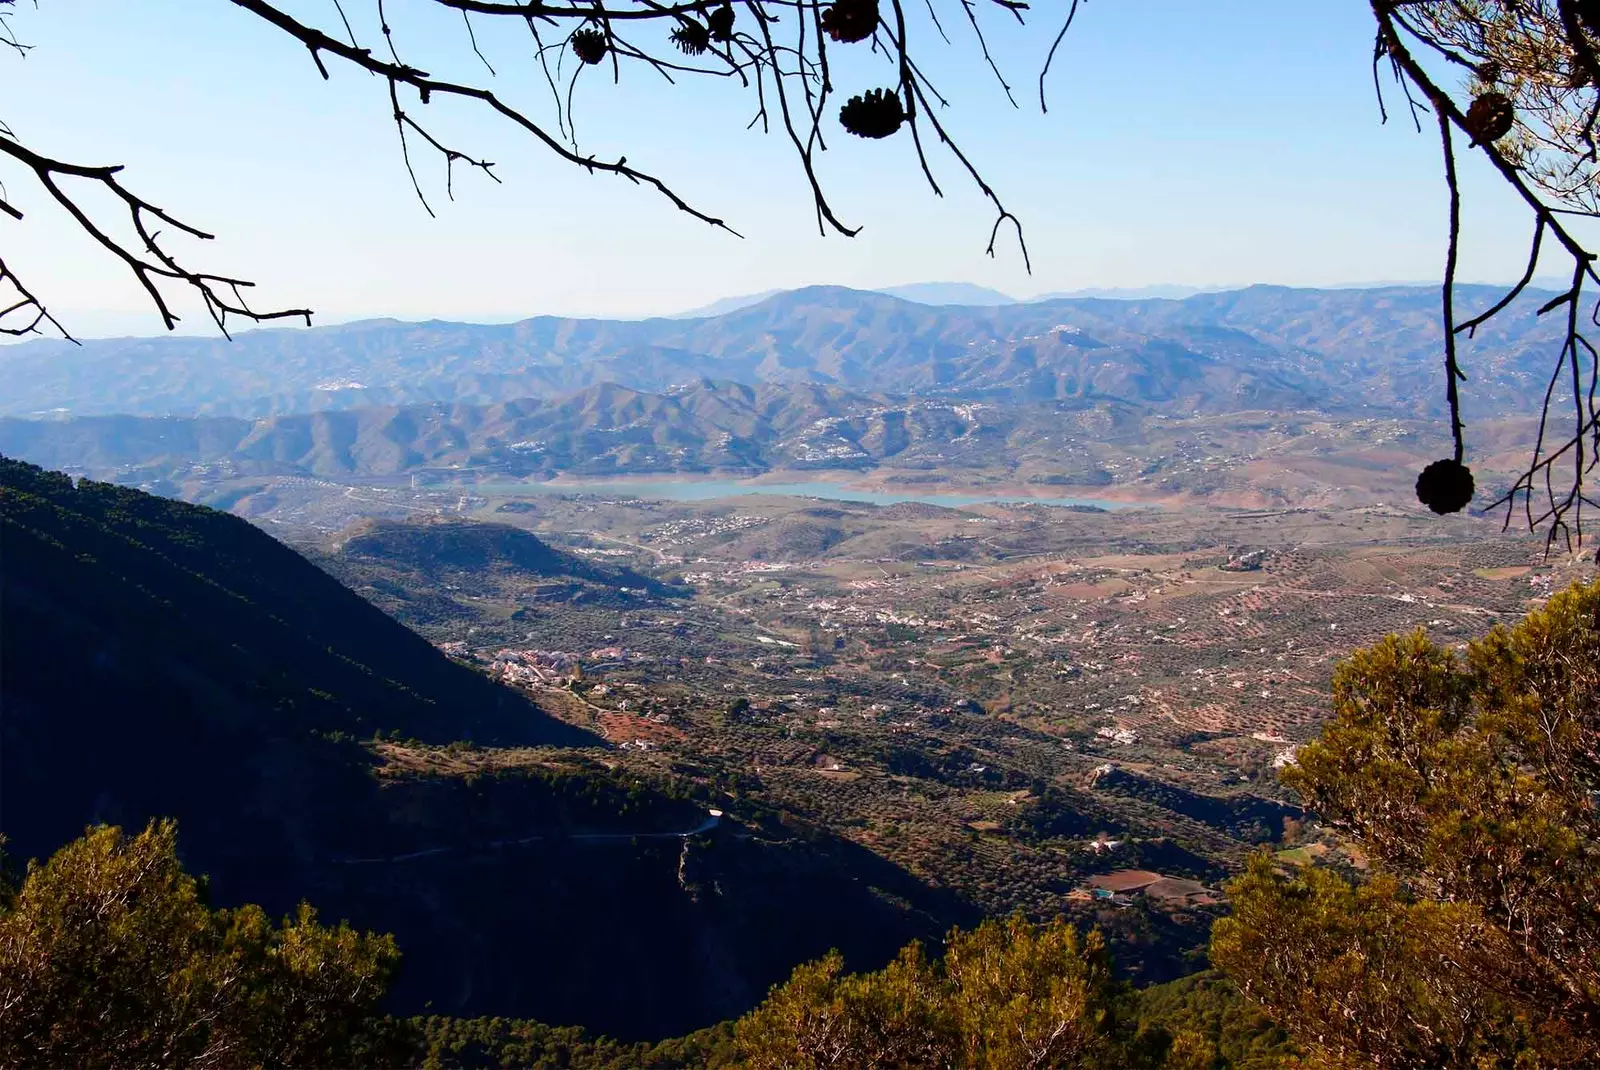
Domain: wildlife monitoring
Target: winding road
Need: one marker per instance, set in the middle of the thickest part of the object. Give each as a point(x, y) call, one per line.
point(712, 819)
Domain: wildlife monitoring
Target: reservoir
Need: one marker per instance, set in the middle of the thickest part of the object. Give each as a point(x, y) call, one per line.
point(698, 490)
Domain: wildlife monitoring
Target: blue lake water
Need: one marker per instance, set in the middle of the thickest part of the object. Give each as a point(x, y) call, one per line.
point(697, 490)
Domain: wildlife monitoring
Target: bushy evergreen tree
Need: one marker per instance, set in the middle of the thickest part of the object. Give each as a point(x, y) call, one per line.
point(109, 956)
point(1470, 784)
point(1008, 995)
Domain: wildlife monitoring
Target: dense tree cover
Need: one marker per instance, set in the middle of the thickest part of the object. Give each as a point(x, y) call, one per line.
point(1007, 994)
point(1219, 1030)
point(109, 955)
point(440, 1043)
point(1209, 1006)
point(1470, 783)
point(1218, 1027)
point(1242, 815)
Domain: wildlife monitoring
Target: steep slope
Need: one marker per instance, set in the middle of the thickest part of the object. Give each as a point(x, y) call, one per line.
point(162, 659)
point(192, 602)
point(1262, 347)
point(142, 637)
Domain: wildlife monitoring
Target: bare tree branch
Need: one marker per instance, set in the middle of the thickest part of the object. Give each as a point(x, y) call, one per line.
point(149, 262)
point(1513, 145)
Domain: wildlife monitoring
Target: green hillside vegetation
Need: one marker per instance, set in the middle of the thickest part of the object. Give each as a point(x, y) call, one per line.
point(111, 956)
point(1242, 815)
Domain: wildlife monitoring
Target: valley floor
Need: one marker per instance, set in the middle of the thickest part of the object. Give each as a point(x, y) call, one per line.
point(1005, 700)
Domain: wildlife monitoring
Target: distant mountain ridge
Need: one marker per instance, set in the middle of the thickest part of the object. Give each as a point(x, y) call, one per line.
point(1261, 346)
point(711, 426)
point(923, 293)
point(948, 293)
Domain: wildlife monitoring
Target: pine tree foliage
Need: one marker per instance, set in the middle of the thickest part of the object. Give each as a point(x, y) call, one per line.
point(1008, 995)
point(110, 957)
point(1470, 783)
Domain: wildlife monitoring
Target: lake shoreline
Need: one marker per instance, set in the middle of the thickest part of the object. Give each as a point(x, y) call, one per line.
point(679, 488)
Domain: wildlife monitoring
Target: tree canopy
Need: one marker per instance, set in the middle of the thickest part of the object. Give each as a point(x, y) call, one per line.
point(1469, 782)
point(110, 956)
point(1008, 995)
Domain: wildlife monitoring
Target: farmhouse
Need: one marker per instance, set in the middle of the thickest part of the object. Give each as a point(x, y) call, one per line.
point(1169, 891)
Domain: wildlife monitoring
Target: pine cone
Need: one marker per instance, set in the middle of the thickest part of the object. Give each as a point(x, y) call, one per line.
point(589, 45)
point(691, 38)
point(720, 23)
point(850, 20)
point(877, 113)
point(1445, 486)
point(1490, 118)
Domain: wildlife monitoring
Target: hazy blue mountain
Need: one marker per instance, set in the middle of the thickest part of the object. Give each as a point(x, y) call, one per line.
point(949, 293)
point(724, 305)
point(1125, 293)
point(609, 430)
point(1264, 346)
point(923, 293)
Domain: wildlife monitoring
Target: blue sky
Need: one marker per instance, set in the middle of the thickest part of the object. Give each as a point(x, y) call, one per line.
point(1229, 142)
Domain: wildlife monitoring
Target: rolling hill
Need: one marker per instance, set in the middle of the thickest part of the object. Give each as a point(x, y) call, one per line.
point(430, 571)
point(1261, 347)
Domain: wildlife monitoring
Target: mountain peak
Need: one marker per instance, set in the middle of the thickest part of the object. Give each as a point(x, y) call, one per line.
point(949, 293)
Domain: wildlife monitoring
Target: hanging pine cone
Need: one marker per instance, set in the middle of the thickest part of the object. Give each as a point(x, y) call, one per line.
point(1445, 486)
point(720, 23)
point(1490, 118)
point(876, 113)
point(691, 38)
point(850, 20)
point(589, 45)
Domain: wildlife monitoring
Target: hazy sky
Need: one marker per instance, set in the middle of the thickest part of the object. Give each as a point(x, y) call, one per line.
point(1233, 141)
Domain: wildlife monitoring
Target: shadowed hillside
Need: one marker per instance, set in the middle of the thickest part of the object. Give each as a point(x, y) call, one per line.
point(163, 659)
point(431, 571)
point(438, 546)
point(157, 652)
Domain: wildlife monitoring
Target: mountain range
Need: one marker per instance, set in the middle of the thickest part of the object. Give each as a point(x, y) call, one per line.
point(1261, 347)
point(603, 430)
